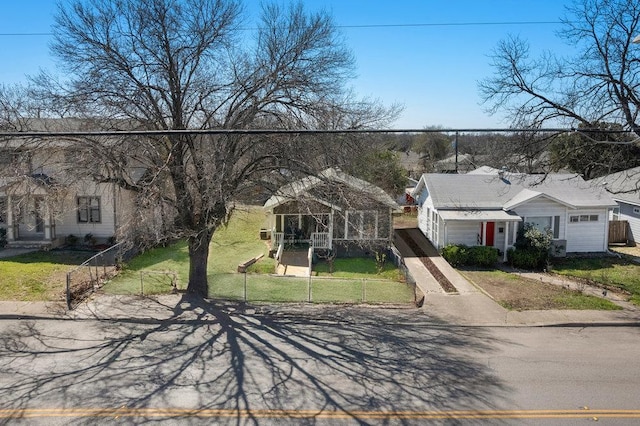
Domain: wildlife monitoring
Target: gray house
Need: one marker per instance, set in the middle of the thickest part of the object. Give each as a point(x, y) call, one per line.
point(624, 188)
point(488, 207)
point(331, 211)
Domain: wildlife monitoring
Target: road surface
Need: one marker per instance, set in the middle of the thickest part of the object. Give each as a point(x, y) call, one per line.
point(320, 365)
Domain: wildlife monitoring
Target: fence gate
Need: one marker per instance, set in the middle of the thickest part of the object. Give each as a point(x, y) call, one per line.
point(618, 231)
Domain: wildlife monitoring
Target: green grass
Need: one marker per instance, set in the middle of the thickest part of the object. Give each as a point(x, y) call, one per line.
point(239, 242)
point(358, 268)
point(610, 271)
point(519, 293)
point(268, 288)
point(231, 245)
point(39, 275)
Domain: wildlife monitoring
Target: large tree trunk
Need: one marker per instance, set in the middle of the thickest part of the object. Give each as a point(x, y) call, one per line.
point(198, 258)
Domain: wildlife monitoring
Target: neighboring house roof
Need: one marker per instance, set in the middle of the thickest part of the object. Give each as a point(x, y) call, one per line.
point(492, 192)
point(301, 187)
point(622, 186)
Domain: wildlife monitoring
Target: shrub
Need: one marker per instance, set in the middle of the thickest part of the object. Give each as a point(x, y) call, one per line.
point(3, 237)
point(527, 259)
point(483, 256)
point(462, 255)
point(456, 254)
point(531, 248)
point(71, 240)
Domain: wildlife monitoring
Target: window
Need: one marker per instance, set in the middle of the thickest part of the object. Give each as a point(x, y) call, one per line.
point(89, 210)
point(544, 223)
point(615, 213)
point(361, 225)
point(583, 218)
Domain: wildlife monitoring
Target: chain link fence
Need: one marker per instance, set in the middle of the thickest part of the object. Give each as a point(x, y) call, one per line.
point(89, 276)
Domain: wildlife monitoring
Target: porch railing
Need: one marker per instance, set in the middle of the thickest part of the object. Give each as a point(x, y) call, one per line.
point(277, 238)
point(320, 240)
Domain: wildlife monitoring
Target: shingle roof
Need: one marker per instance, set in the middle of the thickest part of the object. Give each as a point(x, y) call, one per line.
point(623, 186)
point(489, 191)
point(300, 187)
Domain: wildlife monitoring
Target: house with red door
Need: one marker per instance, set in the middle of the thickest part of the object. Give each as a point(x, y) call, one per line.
point(488, 206)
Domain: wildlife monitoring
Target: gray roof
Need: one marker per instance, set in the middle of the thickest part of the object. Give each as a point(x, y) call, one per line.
point(623, 186)
point(490, 191)
point(301, 187)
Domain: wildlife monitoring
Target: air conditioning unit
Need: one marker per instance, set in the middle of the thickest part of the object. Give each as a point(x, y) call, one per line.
point(558, 248)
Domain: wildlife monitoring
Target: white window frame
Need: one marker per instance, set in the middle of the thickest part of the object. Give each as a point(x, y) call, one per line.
point(87, 211)
point(577, 218)
point(360, 225)
point(552, 220)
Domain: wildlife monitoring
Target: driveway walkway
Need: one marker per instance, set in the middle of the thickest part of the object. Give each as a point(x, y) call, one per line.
point(471, 306)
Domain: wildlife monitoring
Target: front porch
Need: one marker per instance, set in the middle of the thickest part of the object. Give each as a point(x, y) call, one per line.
point(301, 231)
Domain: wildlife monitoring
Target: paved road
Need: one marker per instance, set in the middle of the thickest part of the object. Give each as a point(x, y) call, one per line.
point(312, 365)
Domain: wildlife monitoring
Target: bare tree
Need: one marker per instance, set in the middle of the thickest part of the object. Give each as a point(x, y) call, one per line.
point(188, 64)
point(600, 84)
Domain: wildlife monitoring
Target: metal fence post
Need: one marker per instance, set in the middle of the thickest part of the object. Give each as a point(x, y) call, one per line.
point(364, 290)
point(141, 283)
point(69, 290)
point(244, 295)
point(309, 297)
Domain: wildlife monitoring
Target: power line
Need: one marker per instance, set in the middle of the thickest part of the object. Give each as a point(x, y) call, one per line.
point(364, 26)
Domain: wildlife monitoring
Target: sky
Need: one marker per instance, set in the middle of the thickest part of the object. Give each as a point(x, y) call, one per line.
point(427, 55)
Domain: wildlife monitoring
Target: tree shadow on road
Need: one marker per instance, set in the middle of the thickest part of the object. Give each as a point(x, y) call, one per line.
point(312, 362)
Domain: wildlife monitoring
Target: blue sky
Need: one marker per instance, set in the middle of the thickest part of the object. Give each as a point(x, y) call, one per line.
point(431, 69)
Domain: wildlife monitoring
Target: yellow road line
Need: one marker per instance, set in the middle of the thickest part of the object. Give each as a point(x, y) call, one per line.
point(315, 414)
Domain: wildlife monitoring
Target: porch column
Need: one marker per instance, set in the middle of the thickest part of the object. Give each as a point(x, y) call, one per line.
point(506, 241)
point(47, 223)
point(484, 234)
point(10, 231)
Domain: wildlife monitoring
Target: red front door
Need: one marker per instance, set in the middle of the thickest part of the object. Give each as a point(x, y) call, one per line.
point(491, 228)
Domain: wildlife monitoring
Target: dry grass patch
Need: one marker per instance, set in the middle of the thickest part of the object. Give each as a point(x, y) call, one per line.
point(522, 294)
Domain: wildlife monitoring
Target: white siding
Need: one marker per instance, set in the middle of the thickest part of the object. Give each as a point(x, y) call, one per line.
point(545, 207)
point(462, 232)
point(627, 213)
point(587, 236)
point(424, 211)
point(67, 221)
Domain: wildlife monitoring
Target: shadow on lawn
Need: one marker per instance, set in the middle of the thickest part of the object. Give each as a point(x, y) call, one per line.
point(246, 360)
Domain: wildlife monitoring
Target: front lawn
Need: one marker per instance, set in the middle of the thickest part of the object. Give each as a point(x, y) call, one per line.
point(357, 268)
point(518, 293)
point(609, 271)
point(39, 275)
point(231, 245)
point(352, 281)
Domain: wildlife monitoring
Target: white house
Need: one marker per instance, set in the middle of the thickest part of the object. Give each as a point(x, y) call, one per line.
point(40, 204)
point(624, 188)
point(488, 206)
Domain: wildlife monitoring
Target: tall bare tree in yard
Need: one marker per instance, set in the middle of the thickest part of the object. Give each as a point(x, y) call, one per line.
point(601, 83)
point(172, 65)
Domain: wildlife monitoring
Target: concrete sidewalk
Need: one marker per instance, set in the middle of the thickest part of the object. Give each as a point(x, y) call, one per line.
point(473, 307)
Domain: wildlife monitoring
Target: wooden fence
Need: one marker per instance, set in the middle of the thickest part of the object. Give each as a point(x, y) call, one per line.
point(618, 231)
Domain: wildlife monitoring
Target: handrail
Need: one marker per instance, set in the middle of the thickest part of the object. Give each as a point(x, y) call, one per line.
point(279, 253)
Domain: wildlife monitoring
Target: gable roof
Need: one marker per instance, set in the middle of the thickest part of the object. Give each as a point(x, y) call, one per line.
point(623, 186)
point(301, 187)
point(490, 191)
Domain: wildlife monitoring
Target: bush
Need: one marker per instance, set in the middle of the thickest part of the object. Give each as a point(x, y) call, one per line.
point(531, 248)
point(527, 259)
point(456, 254)
point(3, 237)
point(462, 255)
point(483, 256)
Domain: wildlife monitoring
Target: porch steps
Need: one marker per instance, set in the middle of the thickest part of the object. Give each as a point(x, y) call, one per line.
point(294, 263)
